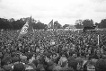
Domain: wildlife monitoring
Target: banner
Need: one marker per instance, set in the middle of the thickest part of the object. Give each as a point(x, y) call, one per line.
point(50, 25)
point(24, 29)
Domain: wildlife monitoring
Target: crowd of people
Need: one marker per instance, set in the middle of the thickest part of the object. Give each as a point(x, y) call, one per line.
point(59, 50)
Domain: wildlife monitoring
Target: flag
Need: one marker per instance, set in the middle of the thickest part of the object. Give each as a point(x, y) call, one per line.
point(26, 28)
point(50, 25)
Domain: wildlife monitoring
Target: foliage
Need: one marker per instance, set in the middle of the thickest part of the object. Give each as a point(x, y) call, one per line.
point(84, 23)
point(78, 24)
point(66, 25)
point(39, 25)
point(18, 24)
point(102, 24)
point(87, 23)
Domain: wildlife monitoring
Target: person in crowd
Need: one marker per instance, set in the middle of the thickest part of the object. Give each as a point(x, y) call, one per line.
point(68, 51)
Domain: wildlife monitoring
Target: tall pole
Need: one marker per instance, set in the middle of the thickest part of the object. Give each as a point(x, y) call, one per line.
point(98, 40)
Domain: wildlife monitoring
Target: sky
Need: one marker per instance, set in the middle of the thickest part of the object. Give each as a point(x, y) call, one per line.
point(63, 11)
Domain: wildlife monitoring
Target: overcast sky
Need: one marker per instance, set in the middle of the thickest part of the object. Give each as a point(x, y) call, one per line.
point(65, 11)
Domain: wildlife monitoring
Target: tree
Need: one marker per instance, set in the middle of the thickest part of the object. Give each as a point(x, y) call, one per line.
point(11, 20)
point(102, 24)
point(18, 24)
point(78, 24)
point(97, 24)
point(87, 23)
point(66, 25)
point(4, 23)
point(39, 25)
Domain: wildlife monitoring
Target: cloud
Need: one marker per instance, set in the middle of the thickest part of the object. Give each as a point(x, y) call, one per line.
point(101, 8)
point(100, 1)
point(65, 11)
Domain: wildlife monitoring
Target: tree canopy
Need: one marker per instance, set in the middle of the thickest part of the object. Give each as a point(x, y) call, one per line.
point(18, 24)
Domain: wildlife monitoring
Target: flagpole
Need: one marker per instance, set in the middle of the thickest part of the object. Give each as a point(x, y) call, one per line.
point(98, 40)
point(32, 29)
point(53, 26)
point(54, 31)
